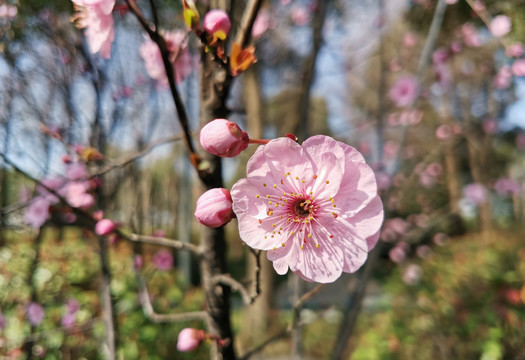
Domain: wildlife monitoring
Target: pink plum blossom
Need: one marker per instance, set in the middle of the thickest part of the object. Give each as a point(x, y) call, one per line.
point(443, 132)
point(506, 187)
point(37, 212)
point(35, 313)
point(515, 50)
point(300, 15)
point(314, 207)
point(223, 138)
point(500, 26)
point(397, 254)
point(410, 39)
point(404, 91)
point(76, 171)
point(163, 260)
point(476, 193)
point(490, 126)
point(423, 251)
point(412, 274)
point(440, 239)
point(182, 61)
point(217, 23)
point(77, 195)
point(261, 24)
point(503, 78)
point(518, 68)
point(479, 6)
point(95, 16)
point(104, 227)
point(214, 208)
point(8, 11)
point(189, 339)
point(471, 36)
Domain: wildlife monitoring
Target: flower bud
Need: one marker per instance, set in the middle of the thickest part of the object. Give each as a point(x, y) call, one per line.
point(223, 138)
point(217, 23)
point(104, 227)
point(189, 339)
point(214, 208)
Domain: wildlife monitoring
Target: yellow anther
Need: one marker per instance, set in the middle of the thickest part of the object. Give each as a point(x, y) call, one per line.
point(282, 244)
point(333, 205)
point(317, 246)
point(274, 248)
point(274, 185)
point(309, 235)
point(301, 247)
point(264, 184)
point(268, 196)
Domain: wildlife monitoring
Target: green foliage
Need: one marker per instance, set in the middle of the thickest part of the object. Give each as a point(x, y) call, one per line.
point(68, 267)
point(469, 304)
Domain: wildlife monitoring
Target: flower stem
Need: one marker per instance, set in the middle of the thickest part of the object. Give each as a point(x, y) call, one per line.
point(259, 141)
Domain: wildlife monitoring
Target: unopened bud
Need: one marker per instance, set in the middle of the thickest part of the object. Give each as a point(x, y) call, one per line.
point(223, 138)
point(214, 208)
point(189, 339)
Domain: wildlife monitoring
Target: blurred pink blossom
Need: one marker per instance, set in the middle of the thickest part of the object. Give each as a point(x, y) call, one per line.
point(138, 261)
point(443, 132)
point(8, 11)
point(3, 322)
point(383, 180)
point(397, 254)
point(471, 36)
point(455, 47)
point(500, 26)
point(163, 260)
point(35, 313)
point(476, 193)
point(261, 24)
point(434, 169)
point(104, 227)
point(479, 6)
point(180, 57)
point(76, 171)
point(490, 126)
point(410, 39)
point(412, 274)
point(404, 91)
point(423, 251)
point(440, 239)
point(518, 68)
point(37, 212)
point(77, 195)
point(426, 180)
point(95, 16)
point(390, 149)
point(503, 78)
point(300, 15)
point(440, 56)
point(506, 187)
point(515, 50)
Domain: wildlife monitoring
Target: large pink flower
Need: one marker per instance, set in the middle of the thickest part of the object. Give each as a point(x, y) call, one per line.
point(314, 207)
point(95, 16)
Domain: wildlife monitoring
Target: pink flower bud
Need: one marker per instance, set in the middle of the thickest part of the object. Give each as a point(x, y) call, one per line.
point(217, 23)
point(214, 208)
point(223, 138)
point(189, 339)
point(104, 227)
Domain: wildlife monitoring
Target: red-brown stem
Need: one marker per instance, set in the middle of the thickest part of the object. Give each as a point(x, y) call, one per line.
point(259, 141)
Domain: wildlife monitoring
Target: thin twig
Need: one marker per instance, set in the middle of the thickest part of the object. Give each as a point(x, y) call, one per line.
point(150, 313)
point(128, 159)
point(308, 295)
point(227, 280)
point(148, 239)
point(260, 347)
point(248, 18)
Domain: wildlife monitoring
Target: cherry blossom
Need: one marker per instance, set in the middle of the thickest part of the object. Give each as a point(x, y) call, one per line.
point(104, 227)
point(163, 260)
point(95, 16)
point(404, 91)
point(35, 313)
point(314, 207)
point(500, 26)
point(518, 68)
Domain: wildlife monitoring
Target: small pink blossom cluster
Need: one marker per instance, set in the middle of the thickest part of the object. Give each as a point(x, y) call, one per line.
point(8, 11)
point(183, 63)
point(313, 207)
point(96, 17)
point(404, 91)
point(74, 188)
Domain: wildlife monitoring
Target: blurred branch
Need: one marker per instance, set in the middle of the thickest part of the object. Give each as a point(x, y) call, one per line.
point(150, 313)
point(248, 18)
point(226, 279)
point(288, 331)
point(129, 159)
point(182, 115)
